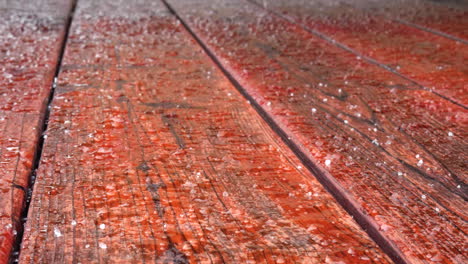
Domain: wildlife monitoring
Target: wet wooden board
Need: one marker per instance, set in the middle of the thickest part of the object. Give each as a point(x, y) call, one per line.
point(153, 156)
point(435, 63)
point(398, 150)
point(29, 48)
point(446, 18)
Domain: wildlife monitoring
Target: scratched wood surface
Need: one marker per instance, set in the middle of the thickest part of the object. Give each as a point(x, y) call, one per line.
point(398, 150)
point(29, 48)
point(434, 62)
point(153, 156)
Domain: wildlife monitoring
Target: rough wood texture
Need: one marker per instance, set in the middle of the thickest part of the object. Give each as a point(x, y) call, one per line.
point(447, 18)
point(153, 156)
point(436, 63)
point(29, 48)
point(398, 150)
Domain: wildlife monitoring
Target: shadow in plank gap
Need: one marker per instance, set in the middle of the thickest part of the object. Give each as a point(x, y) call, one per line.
point(30, 42)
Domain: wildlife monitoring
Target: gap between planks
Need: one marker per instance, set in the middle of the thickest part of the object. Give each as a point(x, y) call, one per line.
point(367, 58)
point(42, 136)
point(432, 31)
point(334, 188)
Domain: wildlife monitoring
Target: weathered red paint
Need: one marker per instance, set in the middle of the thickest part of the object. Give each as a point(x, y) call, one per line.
point(29, 47)
point(434, 62)
point(153, 156)
point(445, 17)
point(397, 149)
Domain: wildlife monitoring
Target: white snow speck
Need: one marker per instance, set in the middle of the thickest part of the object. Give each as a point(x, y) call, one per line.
point(73, 223)
point(102, 226)
point(420, 163)
point(327, 163)
point(57, 232)
point(450, 134)
point(375, 142)
point(314, 110)
point(102, 245)
point(12, 149)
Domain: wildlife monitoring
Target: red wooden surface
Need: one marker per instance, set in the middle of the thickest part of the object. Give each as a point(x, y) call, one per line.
point(153, 156)
point(30, 41)
point(441, 17)
point(397, 149)
point(436, 63)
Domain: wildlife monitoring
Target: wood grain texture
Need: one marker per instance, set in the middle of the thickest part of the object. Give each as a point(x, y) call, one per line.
point(398, 150)
point(436, 63)
point(447, 18)
point(29, 48)
point(153, 156)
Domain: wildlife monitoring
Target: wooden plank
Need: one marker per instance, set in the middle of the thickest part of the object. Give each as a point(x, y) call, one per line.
point(48, 8)
point(29, 48)
point(434, 62)
point(153, 156)
point(446, 18)
point(397, 150)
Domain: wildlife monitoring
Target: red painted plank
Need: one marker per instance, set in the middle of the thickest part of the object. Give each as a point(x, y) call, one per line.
point(442, 17)
point(29, 48)
point(397, 150)
point(434, 62)
point(153, 156)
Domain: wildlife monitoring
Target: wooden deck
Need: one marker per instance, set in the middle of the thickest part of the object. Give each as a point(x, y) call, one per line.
point(233, 131)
